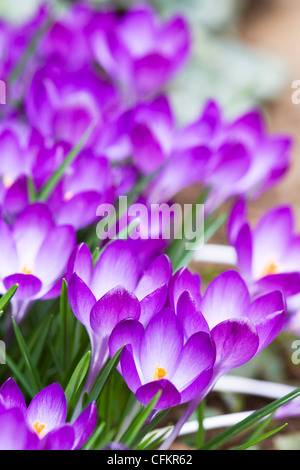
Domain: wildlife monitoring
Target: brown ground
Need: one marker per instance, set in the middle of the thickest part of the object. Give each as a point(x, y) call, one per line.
point(274, 25)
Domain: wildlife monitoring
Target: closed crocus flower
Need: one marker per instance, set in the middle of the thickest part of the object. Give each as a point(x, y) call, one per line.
point(34, 254)
point(239, 328)
point(158, 358)
point(243, 161)
point(138, 50)
point(43, 423)
point(63, 105)
point(268, 255)
point(112, 291)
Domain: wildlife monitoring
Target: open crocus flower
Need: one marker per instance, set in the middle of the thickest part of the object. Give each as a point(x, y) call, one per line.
point(158, 358)
point(34, 253)
point(112, 291)
point(138, 50)
point(268, 255)
point(43, 424)
point(239, 328)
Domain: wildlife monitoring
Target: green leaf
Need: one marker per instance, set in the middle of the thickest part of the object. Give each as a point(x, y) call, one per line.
point(58, 174)
point(77, 379)
point(92, 442)
point(201, 431)
point(102, 379)
point(261, 438)
point(33, 374)
point(31, 189)
point(6, 298)
point(19, 376)
point(149, 427)
point(249, 421)
point(130, 435)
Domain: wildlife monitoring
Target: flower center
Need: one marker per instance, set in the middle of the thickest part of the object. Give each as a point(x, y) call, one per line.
point(159, 372)
point(271, 267)
point(39, 429)
point(7, 181)
point(68, 196)
point(26, 270)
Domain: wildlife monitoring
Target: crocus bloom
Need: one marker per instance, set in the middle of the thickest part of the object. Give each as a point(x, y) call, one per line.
point(268, 255)
point(158, 358)
point(243, 159)
point(63, 105)
point(113, 291)
point(34, 254)
point(43, 424)
point(139, 51)
point(239, 328)
point(87, 183)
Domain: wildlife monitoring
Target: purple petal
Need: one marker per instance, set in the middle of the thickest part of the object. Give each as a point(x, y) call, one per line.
point(161, 345)
point(9, 262)
point(243, 246)
point(11, 396)
point(117, 266)
point(190, 316)
point(169, 397)
point(15, 434)
point(226, 297)
point(182, 281)
point(236, 343)
point(81, 263)
point(48, 407)
point(129, 370)
point(81, 299)
point(237, 218)
point(30, 230)
point(268, 314)
point(126, 332)
point(288, 283)
point(115, 306)
point(59, 439)
point(188, 369)
point(29, 285)
point(84, 425)
point(55, 253)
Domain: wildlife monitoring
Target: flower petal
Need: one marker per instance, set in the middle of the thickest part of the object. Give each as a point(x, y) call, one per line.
point(11, 395)
point(117, 266)
point(81, 299)
point(236, 343)
point(118, 304)
point(48, 407)
point(170, 395)
point(84, 425)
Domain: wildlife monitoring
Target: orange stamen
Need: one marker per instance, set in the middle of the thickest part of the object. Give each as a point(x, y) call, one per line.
point(39, 429)
point(159, 372)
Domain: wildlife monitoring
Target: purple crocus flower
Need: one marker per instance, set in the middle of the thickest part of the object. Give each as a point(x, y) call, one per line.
point(239, 328)
point(138, 50)
point(112, 291)
point(268, 255)
point(243, 159)
point(158, 358)
point(43, 424)
point(34, 254)
point(87, 183)
point(151, 134)
point(62, 105)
